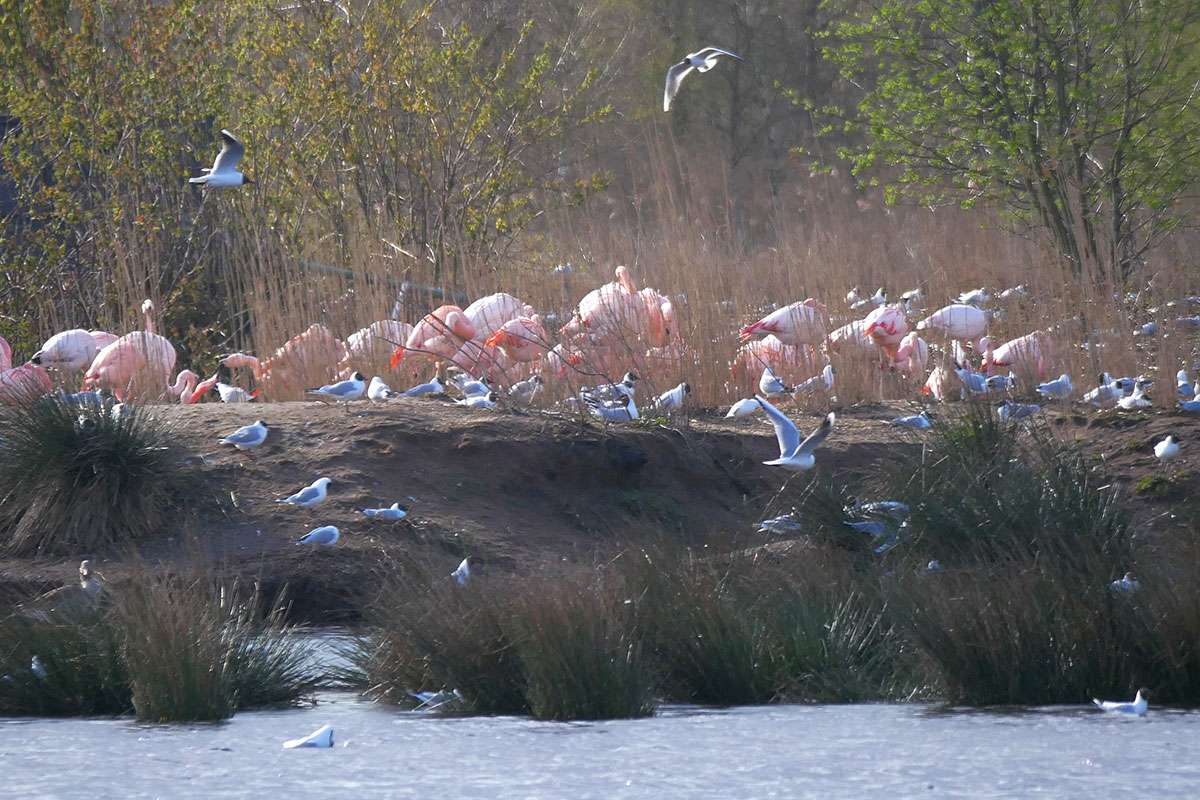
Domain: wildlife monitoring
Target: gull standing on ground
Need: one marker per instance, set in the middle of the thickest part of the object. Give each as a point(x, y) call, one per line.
point(321, 737)
point(788, 523)
point(462, 573)
point(247, 436)
point(1058, 389)
point(673, 400)
point(471, 387)
point(479, 400)
point(231, 394)
point(621, 410)
point(794, 455)
point(379, 391)
point(224, 170)
point(523, 392)
point(1183, 385)
point(435, 386)
point(975, 297)
point(1138, 707)
point(818, 383)
point(612, 391)
point(342, 391)
point(744, 408)
point(312, 495)
point(1009, 411)
point(770, 385)
point(1135, 400)
point(326, 535)
point(393, 513)
point(1167, 449)
point(702, 61)
point(919, 421)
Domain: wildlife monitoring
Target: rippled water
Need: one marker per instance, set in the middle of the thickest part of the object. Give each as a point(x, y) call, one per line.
point(778, 751)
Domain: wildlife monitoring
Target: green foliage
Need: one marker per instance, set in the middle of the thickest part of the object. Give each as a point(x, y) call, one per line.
point(1078, 117)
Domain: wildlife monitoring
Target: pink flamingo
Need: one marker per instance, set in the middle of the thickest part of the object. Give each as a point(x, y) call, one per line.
point(957, 321)
point(377, 339)
point(523, 339)
point(614, 310)
point(1029, 354)
point(911, 355)
point(5, 354)
point(307, 359)
point(851, 336)
point(138, 363)
point(489, 313)
point(442, 331)
point(23, 384)
point(797, 324)
point(73, 350)
point(886, 325)
point(783, 359)
point(941, 384)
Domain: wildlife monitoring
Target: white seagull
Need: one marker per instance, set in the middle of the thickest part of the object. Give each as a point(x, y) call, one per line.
point(1127, 583)
point(744, 408)
point(788, 523)
point(435, 386)
point(1138, 707)
point(612, 391)
point(312, 495)
point(702, 61)
point(1167, 449)
point(247, 436)
point(342, 391)
point(462, 573)
point(1060, 388)
point(673, 400)
point(325, 535)
point(1135, 400)
point(1183, 385)
point(523, 392)
point(975, 297)
point(479, 400)
point(770, 385)
point(794, 454)
point(1009, 411)
point(224, 170)
point(471, 387)
point(919, 421)
point(321, 737)
point(232, 394)
point(818, 383)
point(379, 391)
point(392, 513)
point(622, 410)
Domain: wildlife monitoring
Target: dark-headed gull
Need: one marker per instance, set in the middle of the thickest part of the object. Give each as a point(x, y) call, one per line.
point(975, 297)
point(321, 737)
point(606, 392)
point(788, 523)
point(794, 454)
point(471, 387)
point(744, 408)
point(312, 495)
point(919, 421)
point(770, 385)
point(621, 410)
point(342, 391)
point(462, 573)
point(1167, 449)
point(479, 400)
point(378, 391)
point(1183, 385)
point(224, 170)
point(1059, 389)
point(701, 61)
point(1136, 400)
point(231, 394)
point(326, 535)
point(1137, 708)
point(673, 399)
point(822, 382)
point(392, 513)
point(435, 386)
point(523, 392)
point(247, 436)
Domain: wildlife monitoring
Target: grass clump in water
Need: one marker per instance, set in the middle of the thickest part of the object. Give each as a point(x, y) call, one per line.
point(78, 478)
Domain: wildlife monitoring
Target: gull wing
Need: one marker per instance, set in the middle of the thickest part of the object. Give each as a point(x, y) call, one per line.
point(675, 76)
point(816, 437)
point(785, 430)
point(709, 52)
point(245, 435)
point(230, 155)
point(305, 495)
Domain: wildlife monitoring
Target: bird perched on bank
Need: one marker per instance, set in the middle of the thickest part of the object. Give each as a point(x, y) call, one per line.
point(769, 385)
point(1190, 406)
point(1137, 708)
point(462, 573)
point(794, 455)
point(1149, 329)
point(224, 172)
point(248, 436)
point(326, 535)
point(434, 386)
point(673, 400)
point(973, 382)
point(310, 496)
point(919, 421)
point(744, 408)
point(487, 401)
point(1183, 385)
point(1010, 411)
point(1167, 449)
point(1136, 400)
point(321, 737)
point(622, 409)
point(822, 382)
point(975, 297)
point(342, 391)
point(1058, 389)
point(607, 392)
point(1001, 383)
point(469, 386)
point(702, 61)
point(1127, 583)
point(1014, 292)
point(1106, 394)
point(231, 394)
point(393, 513)
point(379, 392)
point(522, 393)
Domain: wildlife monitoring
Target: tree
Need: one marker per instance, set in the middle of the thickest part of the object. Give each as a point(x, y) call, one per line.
point(1079, 116)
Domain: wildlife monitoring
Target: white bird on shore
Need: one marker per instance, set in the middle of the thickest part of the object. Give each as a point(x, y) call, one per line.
point(1190, 406)
point(975, 297)
point(224, 170)
point(702, 61)
point(818, 383)
point(392, 513)
point(312, 495)
point(744, 408)
point(1183, 385)
point(607, 392)
point(487, 401)
point(342, 391)
point(973, 382)
point(232, 394)
point(1136, 400)
point(1149, 329)
point(622, 410)
point(673, 400)
point(379, 391)
point(1127, 583)
point(326, 535)
point(321, 737)
point(1059, 389)
point(523, 392)
point(248, 436)
point(1009, 411)
point(1001, 383)
point(471, 387)
point(1167, 449)
point(1137, 708)
point(794, 454)
point(463, 573)
point(769, 385)
point(434, 386)
point(1016, 291)
point(1106, 394)
point(853, 296)
point(919, 421)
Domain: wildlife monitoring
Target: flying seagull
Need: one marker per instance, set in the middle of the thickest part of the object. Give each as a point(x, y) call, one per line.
point(794, 454)
point(224, 170)
point(701, 60)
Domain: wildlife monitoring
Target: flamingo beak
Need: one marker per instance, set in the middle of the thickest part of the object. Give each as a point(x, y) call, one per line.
point(574, 359)
point(397, 357)
point(498, 338)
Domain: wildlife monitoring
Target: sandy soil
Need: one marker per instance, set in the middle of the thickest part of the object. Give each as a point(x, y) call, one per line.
point(518, 491)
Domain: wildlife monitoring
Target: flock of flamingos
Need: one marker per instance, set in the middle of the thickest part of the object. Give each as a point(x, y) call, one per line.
point(614, 329)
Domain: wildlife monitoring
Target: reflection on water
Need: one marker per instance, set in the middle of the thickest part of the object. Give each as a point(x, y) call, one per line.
point(777, 751)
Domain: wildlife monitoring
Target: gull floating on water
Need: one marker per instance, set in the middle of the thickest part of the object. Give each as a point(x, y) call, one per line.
point(1137, 708)
point(434, 386)
point(462, 573)
point(326, 535)
point(321, 737)
point(247, 436)
point(744, 408)
point(312, 495)
point(794, 454)
point(378, 391)
point(224, 170)
point(392, 513)
point(342, 391)
point(702, 61)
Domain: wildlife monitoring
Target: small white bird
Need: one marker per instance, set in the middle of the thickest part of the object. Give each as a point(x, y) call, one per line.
point(1001, 383)
point(342, 391)
point(37, 668)
point(788, 523)
point(1138, 707)
point(1183, 385)
point(818, 383)
point(769, 385)
point(379, 391)
point(321, 737)
point(1106, 394)
point(975, 297)
point(744, 408)
point(853, 296)
point(621, 410)
point(1136, 400)
point(326, 535)
point(702, 61)
point(919, 421)
point(522, 393)
point(934, 566)
point(879, 298)
point(434, 386)
point(232, 394)
point(1010, 411)
point(794, 454)
point(471, 387)
point(312, 495)
point(1149, 329)
point(612, 391)
point(1167, 449)
point(479, 401)
point(673, 399)
point(973, 382)
point(1016, 291)
point(1058, 389)
point(1127, 583)
point(392, 513)
point(248, 436)
point(224, 170)
point(463, 573)
point(1190, 406)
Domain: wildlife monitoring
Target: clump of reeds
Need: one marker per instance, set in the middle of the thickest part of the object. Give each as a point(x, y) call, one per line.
point(79, 478)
